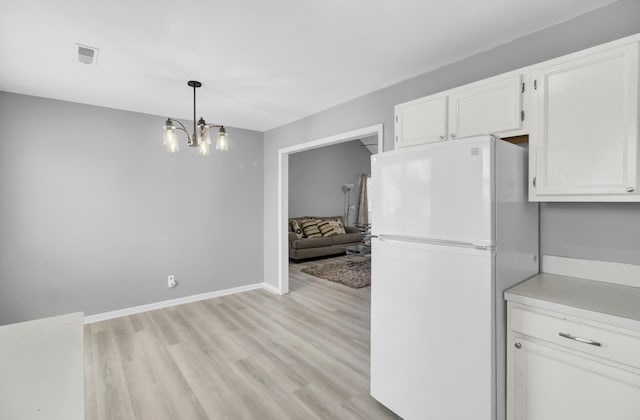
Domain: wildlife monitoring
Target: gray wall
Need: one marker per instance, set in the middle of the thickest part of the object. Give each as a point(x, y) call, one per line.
point(588, 236)
point(94, 214)
point(316, 177)
point(592, 231)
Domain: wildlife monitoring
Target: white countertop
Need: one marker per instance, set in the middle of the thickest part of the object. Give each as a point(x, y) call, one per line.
point(605, 301)
point(42, 369)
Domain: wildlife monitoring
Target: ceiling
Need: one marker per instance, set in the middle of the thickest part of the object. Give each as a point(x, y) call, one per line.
point(262, 63)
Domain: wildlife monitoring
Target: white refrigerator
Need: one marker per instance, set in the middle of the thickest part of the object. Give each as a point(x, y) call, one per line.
point(452, 230)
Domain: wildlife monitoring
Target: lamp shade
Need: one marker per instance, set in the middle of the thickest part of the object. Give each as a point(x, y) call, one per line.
point(203, 135)
point(203, 132)
point(222, 142)
point(204, 148)
point(170, 140)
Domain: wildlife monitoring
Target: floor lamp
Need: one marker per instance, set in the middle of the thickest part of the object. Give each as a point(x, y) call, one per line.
point(347, 190)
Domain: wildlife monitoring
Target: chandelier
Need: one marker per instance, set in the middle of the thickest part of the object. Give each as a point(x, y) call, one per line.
point(200, 137)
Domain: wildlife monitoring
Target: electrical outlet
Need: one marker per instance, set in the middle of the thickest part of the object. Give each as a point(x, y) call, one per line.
point(171, 281)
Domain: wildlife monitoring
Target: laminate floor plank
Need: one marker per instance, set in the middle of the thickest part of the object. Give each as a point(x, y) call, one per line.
point(112, 394)
point(366, 408)
point(145, 394)
point(305, 336)
point(316, 366)
point(252, 355)
point(322, 407)
point(176, 392)
point(91, 402)
point(207, 384)
point(312, 328)
point(261, 378)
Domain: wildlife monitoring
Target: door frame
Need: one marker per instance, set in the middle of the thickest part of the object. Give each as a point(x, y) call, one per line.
point(283, 189)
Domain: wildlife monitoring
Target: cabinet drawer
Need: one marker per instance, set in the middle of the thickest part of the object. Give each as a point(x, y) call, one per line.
point(616, 346)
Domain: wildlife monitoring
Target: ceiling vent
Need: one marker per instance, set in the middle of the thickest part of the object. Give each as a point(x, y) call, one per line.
point(87, 54)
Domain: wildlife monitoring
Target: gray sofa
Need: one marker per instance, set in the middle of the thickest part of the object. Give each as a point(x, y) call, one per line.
point(303, 248)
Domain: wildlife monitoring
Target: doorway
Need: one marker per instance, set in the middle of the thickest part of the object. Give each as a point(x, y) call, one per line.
point(283, 189)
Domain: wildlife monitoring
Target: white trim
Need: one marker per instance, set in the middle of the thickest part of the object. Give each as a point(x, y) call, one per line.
point(274, 290)
point(173, 302)
point(604, 271)
point(283, 189)
point(283, 213)
point(338, 138)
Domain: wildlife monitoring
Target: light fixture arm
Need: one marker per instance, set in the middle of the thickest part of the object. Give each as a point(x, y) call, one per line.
point(181, 127)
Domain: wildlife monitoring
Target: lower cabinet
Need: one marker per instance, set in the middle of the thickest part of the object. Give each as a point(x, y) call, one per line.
point(551, 383)
point(560, 369)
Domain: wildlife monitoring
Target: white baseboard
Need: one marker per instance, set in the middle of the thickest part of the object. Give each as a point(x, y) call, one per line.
point(272, 289)
point(605, 271)
point(173, 302)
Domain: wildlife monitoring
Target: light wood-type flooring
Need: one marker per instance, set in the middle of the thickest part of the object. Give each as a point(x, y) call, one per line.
point(252, 355)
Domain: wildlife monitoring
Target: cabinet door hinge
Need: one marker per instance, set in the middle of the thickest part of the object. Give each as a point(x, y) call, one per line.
point(535, 84)
point(521, 115)
point(396, 139)
point(522, 91)
point(396, 118)
point(534, 182)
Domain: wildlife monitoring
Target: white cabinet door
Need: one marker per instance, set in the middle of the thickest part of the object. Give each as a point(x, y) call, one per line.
point(494, 106)
point(421, 121)
point(553, 384)
point(584, 145)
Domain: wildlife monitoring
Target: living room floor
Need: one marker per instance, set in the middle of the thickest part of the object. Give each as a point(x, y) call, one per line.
point(249, 355)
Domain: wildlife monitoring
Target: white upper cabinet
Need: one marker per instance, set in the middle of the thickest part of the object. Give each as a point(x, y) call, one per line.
point(581, 112)
point(492, 106)
point(421, 121)
point(584, 141)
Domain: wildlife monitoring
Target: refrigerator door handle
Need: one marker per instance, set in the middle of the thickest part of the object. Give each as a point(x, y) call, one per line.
point(430, 241)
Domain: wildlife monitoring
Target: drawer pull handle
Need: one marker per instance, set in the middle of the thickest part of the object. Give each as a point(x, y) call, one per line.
point(581, 340)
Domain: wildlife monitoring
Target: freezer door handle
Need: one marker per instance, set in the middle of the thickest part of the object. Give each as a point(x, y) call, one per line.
point(434, 242)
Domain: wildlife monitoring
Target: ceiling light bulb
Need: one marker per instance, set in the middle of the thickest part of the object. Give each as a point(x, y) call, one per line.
point(173, 147)
point(222, 142)
point(169, 139)
point(205, 148)
point(203, 135)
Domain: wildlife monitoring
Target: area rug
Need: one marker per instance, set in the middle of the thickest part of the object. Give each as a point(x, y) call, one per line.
point(352, 273)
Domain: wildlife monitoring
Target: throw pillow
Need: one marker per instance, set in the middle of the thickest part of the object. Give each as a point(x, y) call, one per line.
point(326, 229)
point(337, 226)
point(310, 229)
point(295, 227)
